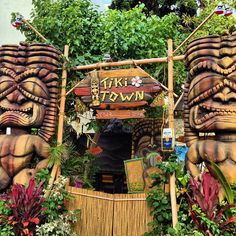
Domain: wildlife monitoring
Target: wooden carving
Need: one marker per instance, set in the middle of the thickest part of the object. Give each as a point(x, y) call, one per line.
point(210, 104)
point(28, 99)
point(146, 136)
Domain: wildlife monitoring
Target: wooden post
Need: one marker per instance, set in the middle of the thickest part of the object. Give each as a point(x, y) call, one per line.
point(171, 125)
point(63, 99)
point(62, 106)
point(56, 168)
point(170, 85)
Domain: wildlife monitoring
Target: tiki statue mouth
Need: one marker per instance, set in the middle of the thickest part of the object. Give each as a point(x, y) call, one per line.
point(210, 116)
point(29, 114)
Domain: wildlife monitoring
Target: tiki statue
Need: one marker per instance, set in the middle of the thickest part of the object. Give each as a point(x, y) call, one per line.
point(210, 104)
point(28, 99)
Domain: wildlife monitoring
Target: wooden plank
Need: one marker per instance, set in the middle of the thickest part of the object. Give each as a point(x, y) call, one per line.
point(127, 105)
point(119, 114)
point(88, 99)
point(128, 89)
point(147, 81)
point(122, 105)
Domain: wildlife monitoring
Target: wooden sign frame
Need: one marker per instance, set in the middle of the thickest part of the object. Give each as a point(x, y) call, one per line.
point(134, 170)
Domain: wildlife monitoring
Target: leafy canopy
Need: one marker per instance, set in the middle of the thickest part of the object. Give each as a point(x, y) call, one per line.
point(123, 34)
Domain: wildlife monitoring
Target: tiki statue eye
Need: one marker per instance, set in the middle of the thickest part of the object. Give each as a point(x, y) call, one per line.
point(6, 83)
point(35, 87)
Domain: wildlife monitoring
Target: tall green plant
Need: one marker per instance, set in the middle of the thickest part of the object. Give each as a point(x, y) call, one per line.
point(229, 194)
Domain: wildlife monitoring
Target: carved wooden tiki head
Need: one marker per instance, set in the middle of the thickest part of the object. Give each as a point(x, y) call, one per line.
point(29, 87)
point(210, 104)
point(210, 98)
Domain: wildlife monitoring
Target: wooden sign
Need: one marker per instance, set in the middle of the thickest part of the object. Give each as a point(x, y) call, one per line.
point(120, 114)
point(117, 89)
point(134, 175)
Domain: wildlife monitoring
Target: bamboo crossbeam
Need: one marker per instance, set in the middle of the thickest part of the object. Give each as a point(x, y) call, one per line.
point(202, 23)
point(109, 199)
point(127, 62)
point(32, 28)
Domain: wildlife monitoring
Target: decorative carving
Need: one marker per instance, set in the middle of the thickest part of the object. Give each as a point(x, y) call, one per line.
point(28, 99)
point(210, 106)
point(147, 136)
point(95, 89)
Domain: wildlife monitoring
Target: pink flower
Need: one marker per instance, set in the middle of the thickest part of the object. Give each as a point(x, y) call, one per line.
point(136, 81)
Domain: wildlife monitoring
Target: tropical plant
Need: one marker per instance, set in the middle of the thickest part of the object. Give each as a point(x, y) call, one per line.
point(206, 212)
point(5, 213)
point(55, 203)
point(24, 208)
point(60, 226)
point(229, 193)
point(159, 201)
point(58, 220)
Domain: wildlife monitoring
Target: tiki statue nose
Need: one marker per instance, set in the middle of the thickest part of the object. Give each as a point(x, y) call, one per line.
point(225, 95)
point(16, 97)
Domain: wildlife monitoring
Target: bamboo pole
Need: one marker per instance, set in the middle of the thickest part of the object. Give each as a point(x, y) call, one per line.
point(56, 168)
point(170, 85)
point(203, 23)
point(63, 99)
point(62, 106)
point(171, 125)
point(127, 62)
point(32, 28)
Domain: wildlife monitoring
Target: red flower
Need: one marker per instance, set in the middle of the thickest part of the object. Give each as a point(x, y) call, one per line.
point(95, 150)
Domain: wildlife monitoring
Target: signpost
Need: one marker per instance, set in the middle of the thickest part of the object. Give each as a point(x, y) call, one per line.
point(114, 91)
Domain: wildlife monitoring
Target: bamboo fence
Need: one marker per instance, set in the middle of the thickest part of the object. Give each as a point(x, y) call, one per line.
point(104, 214)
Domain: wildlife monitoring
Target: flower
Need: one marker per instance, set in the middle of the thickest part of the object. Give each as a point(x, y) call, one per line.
point(78, 183)
point(136, 81)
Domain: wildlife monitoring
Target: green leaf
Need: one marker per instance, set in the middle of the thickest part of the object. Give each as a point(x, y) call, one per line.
point(226, 186)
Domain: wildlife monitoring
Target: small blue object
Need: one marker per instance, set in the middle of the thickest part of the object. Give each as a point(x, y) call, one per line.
point(180, 151)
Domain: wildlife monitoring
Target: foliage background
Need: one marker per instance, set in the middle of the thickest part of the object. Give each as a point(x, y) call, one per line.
point(133, 32)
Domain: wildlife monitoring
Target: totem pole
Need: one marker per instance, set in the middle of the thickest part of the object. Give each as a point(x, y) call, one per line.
point(28, 99)
point(210, 104)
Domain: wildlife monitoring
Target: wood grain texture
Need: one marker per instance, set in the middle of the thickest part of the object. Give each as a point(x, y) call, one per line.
point(119, 114)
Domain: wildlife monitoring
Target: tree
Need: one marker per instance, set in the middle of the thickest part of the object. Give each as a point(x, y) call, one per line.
point(159, 8)
point(90, 34)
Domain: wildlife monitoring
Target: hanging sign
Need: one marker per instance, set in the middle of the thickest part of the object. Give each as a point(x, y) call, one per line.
point(117, 89)
point(120, 114)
